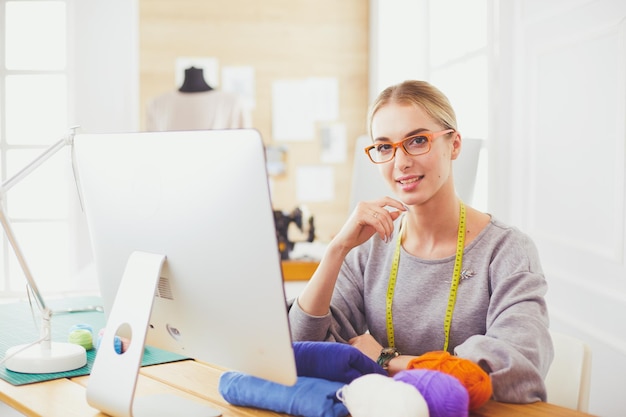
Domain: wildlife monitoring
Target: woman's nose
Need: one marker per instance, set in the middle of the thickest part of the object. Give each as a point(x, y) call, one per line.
point(402, 160)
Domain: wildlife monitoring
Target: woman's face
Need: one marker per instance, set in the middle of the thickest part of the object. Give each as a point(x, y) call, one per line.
point(415, 179)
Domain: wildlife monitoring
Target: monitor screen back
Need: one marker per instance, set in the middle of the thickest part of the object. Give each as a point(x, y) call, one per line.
point(202, 199)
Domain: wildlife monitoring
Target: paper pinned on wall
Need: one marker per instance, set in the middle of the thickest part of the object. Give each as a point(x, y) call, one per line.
point(315, 183)
point(324, 98)
point(240, 80)
point(333, 140)
point(298, 104)
point(292, 118)
point(208, 65)
point(275, 156)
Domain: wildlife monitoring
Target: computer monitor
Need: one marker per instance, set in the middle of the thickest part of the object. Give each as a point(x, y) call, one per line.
point(185, 249)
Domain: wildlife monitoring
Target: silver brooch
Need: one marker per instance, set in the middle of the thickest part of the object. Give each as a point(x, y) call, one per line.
point(467, 273)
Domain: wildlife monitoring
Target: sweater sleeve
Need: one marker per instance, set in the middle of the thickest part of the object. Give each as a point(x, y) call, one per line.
point(346, 318)
point(516, 349)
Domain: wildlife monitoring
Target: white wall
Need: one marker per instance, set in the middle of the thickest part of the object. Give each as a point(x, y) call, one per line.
point(104, 74)
point(395, 55)
point(105, 70)
point(561, 169)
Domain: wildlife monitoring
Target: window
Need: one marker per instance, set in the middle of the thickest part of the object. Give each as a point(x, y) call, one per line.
point(33, 116)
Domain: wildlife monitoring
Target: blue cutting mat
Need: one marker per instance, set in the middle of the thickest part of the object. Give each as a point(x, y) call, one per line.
point(17, 327)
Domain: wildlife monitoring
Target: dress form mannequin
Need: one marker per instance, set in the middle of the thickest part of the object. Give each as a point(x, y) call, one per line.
point(194, 81)
point(186, 108)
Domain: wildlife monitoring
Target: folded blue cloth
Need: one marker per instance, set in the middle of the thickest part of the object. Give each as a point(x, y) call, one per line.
point(333, 361)
point(309, 397)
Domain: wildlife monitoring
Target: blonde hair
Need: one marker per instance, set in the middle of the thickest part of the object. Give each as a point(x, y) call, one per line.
point(419, 93)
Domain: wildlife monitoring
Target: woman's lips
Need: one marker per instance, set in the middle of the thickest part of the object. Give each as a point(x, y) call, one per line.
point(408, 183)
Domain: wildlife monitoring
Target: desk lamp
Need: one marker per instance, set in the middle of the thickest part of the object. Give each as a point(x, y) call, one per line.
point(44, 355)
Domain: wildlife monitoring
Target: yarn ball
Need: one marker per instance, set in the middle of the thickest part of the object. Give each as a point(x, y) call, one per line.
point(375, 395)
point(444, 394)
point(81, 337)
point(81, 334)
point(472, 376)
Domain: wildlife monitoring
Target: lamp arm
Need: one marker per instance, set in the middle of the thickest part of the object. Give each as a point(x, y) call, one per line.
point(43, 356)
point(8, 230)
point(6, 225)
point(47, 154)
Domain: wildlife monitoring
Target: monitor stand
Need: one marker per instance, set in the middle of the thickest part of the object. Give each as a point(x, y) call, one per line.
point(111, 385)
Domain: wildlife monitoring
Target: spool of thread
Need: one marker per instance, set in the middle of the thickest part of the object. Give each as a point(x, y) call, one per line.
point(444, 394)
point(472, 376)
point(375, 395)
point(81, 334)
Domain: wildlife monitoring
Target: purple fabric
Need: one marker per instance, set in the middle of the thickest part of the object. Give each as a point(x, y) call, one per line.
point(333, 361)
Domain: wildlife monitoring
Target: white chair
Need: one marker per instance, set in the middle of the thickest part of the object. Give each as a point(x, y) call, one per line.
point(466, 167)
point(568, 379)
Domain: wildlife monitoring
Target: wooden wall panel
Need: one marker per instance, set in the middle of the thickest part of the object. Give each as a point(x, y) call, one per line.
point(281, 39)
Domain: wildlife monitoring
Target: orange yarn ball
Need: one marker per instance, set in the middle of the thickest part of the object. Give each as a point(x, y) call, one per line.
point(472, 376)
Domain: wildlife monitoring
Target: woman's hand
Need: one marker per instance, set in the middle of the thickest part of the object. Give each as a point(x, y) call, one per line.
point(367, 218)
point(367, 345)
point(370, 217)
point(372, 349)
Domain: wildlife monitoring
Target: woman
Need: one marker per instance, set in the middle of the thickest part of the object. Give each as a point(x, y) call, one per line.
point(424, 272)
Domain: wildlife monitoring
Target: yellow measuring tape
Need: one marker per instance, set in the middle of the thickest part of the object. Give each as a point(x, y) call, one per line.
point(456, 276)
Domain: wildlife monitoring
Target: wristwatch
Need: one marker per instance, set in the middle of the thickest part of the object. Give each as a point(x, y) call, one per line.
point(386, 355)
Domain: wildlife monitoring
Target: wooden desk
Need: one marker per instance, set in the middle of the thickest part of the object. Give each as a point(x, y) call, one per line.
point(194, 380)
point(298, 270)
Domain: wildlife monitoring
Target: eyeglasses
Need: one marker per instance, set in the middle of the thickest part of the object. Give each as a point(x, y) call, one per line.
point(413, 145)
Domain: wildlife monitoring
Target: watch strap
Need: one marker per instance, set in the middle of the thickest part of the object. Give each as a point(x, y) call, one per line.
point(386, 355)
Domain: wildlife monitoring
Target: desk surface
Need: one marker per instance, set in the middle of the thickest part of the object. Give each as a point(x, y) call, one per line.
point(191, 379)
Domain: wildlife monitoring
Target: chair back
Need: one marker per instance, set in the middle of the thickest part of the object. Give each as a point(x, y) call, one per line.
point(569, 376)
point(465, 168)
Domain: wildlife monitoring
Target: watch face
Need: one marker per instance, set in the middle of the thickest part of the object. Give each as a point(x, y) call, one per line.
point(388, 351)
point(386, 355)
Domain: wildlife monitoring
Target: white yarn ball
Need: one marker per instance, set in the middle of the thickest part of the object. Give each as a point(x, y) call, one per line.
point(375, 395)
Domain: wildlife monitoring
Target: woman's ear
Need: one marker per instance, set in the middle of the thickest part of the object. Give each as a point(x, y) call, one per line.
point(456, 145)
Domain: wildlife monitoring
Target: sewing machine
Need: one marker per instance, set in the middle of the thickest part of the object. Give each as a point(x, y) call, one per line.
point(283, 221)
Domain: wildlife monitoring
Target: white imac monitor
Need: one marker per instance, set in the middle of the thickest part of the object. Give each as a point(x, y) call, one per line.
point(186, 254)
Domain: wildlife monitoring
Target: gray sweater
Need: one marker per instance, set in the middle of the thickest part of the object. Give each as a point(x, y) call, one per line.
point(500, 319)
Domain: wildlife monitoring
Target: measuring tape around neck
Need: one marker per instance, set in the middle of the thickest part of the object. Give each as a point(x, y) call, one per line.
point(456, 276)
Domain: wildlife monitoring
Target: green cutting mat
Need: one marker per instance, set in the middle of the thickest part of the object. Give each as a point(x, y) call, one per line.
point(17, 327)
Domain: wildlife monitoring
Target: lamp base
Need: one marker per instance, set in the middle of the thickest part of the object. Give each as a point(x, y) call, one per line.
point(36, 360)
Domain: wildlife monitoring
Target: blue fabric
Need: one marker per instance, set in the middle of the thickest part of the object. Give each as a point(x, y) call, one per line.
point(333, 361)
point(309, 397)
